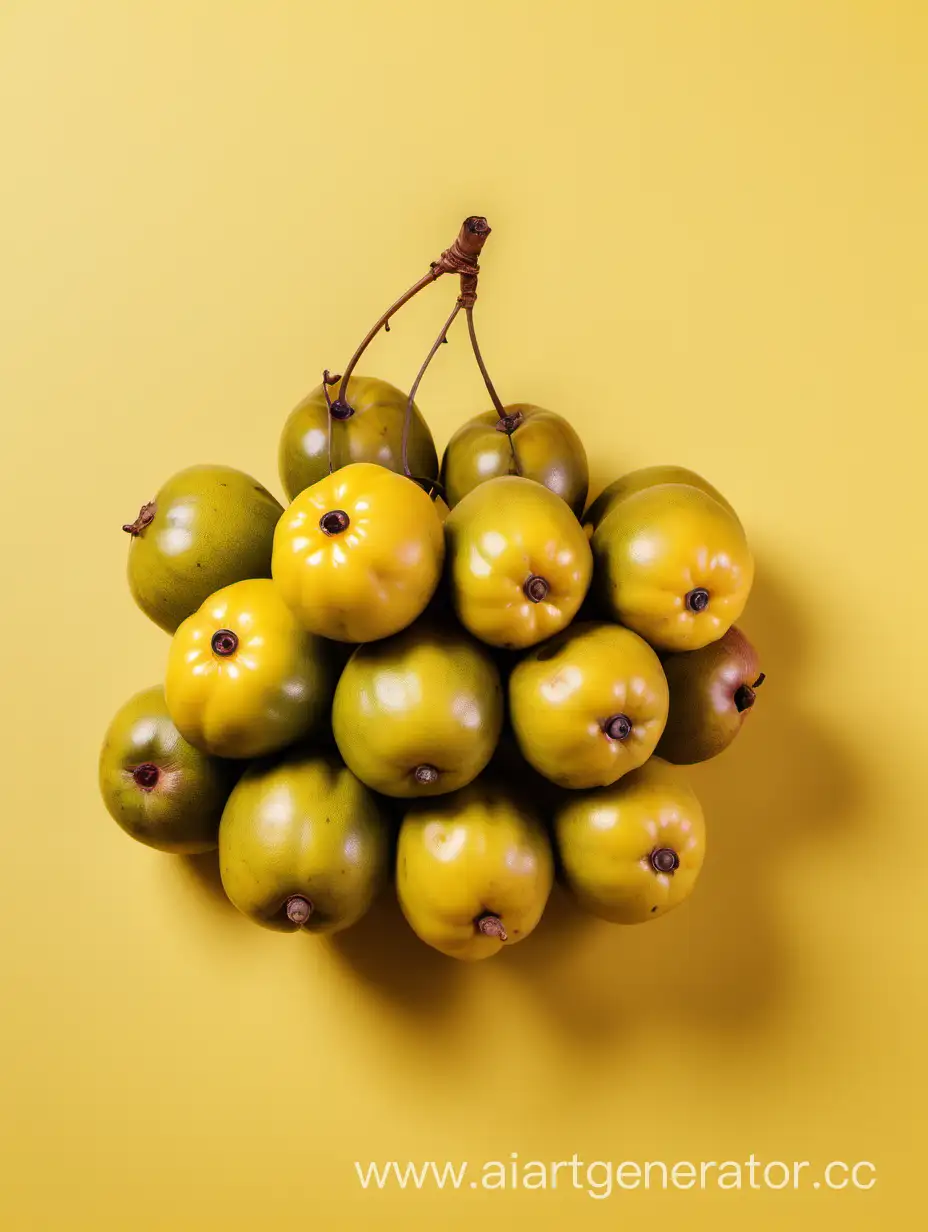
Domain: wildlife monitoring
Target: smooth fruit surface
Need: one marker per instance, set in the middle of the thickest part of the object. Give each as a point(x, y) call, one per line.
point(358, 555)
point(208, 526)
point(157, 786)
point(647, 477)
point(418, 714)
point(244, 678)
point(519, 564)
point(632, 851)
point(303, 844)
point(588, 706)
point(474, 871)
point(539, 445)
point(372, 433)
point(674, 565)
point(712, 692)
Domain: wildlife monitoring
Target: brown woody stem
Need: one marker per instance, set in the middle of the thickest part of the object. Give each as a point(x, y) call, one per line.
point(299, 909)
point(145, 518)
point(491, 389)
point(492, 926)
point(461, 258)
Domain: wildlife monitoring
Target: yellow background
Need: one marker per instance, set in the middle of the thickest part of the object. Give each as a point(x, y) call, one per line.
point(708, 248)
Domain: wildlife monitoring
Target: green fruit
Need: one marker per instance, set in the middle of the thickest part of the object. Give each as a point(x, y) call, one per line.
point(303, 844)
point(647, 477)
point(159, 788)
point(529, 441)
point(209, 526)
point(712, 691)
point(418, 714)
point(373, 432)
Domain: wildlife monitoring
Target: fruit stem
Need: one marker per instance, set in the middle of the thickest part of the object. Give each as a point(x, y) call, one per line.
point(299, 909)
point(507, 423)
point(407, 418)
point(461, 258)
point(492, 926)
point(145, 518)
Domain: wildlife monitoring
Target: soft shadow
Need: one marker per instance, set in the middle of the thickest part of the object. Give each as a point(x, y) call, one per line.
point(202, 871)
point(719, 962)
point(388, 956)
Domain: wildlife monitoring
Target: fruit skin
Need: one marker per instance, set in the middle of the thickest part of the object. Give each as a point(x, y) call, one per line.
point(546, 445)
point(176, 809)
point(428, 697)
point(212, 526)
point(711, 695)
point(605, 839)
point(302, 824)
point(374, 433)
point(661, 544)
point(274, 687)
point(371, 579)
point(563, 694)
point(501, 535)
point(475, 853)
point(637, 481)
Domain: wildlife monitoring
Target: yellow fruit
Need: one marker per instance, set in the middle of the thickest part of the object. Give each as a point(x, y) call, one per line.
point(632, 851)
point(244, 677)
point(358, 555)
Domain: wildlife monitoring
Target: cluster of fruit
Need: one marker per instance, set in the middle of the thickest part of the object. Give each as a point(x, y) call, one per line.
point(455, 673)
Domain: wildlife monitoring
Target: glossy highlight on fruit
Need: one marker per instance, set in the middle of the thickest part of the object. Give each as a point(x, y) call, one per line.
point(633, 851)
point(674, 565)
point(527, 441)
point(159, 788)
point(372, 432)
point(358, 556)
point(418, 714)
point(589, 705)
point(519, 564)
point(244, 678)
point(303, 844)
point(207, 527)
point(712, 692)
point(474, 871)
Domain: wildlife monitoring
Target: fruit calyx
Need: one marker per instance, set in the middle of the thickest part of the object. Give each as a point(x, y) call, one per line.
point(224, 643)
point(664, 860)
point(425, 774)
point(145, 518)
point(697, 600)
point(746, 694)
point(491, 926)
point(618, 727)
point(509, 423)
point(335, 522)
point(299, 909)
point(536, 588)
point(146, 775)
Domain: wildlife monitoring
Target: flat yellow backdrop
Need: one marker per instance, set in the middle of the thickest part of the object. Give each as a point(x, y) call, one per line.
point(709, 248)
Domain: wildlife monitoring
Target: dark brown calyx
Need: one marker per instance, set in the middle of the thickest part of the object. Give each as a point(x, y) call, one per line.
point(509, 423)
point(145, 518)
point(664, 860)
point(425, 774)
point(299, 909)
point(697, 600)
point(536, 588)
point(619, 727)
point(146, 775)
point(335, 522)
point(746, 694)
point(224, 643)
point(491, 926)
